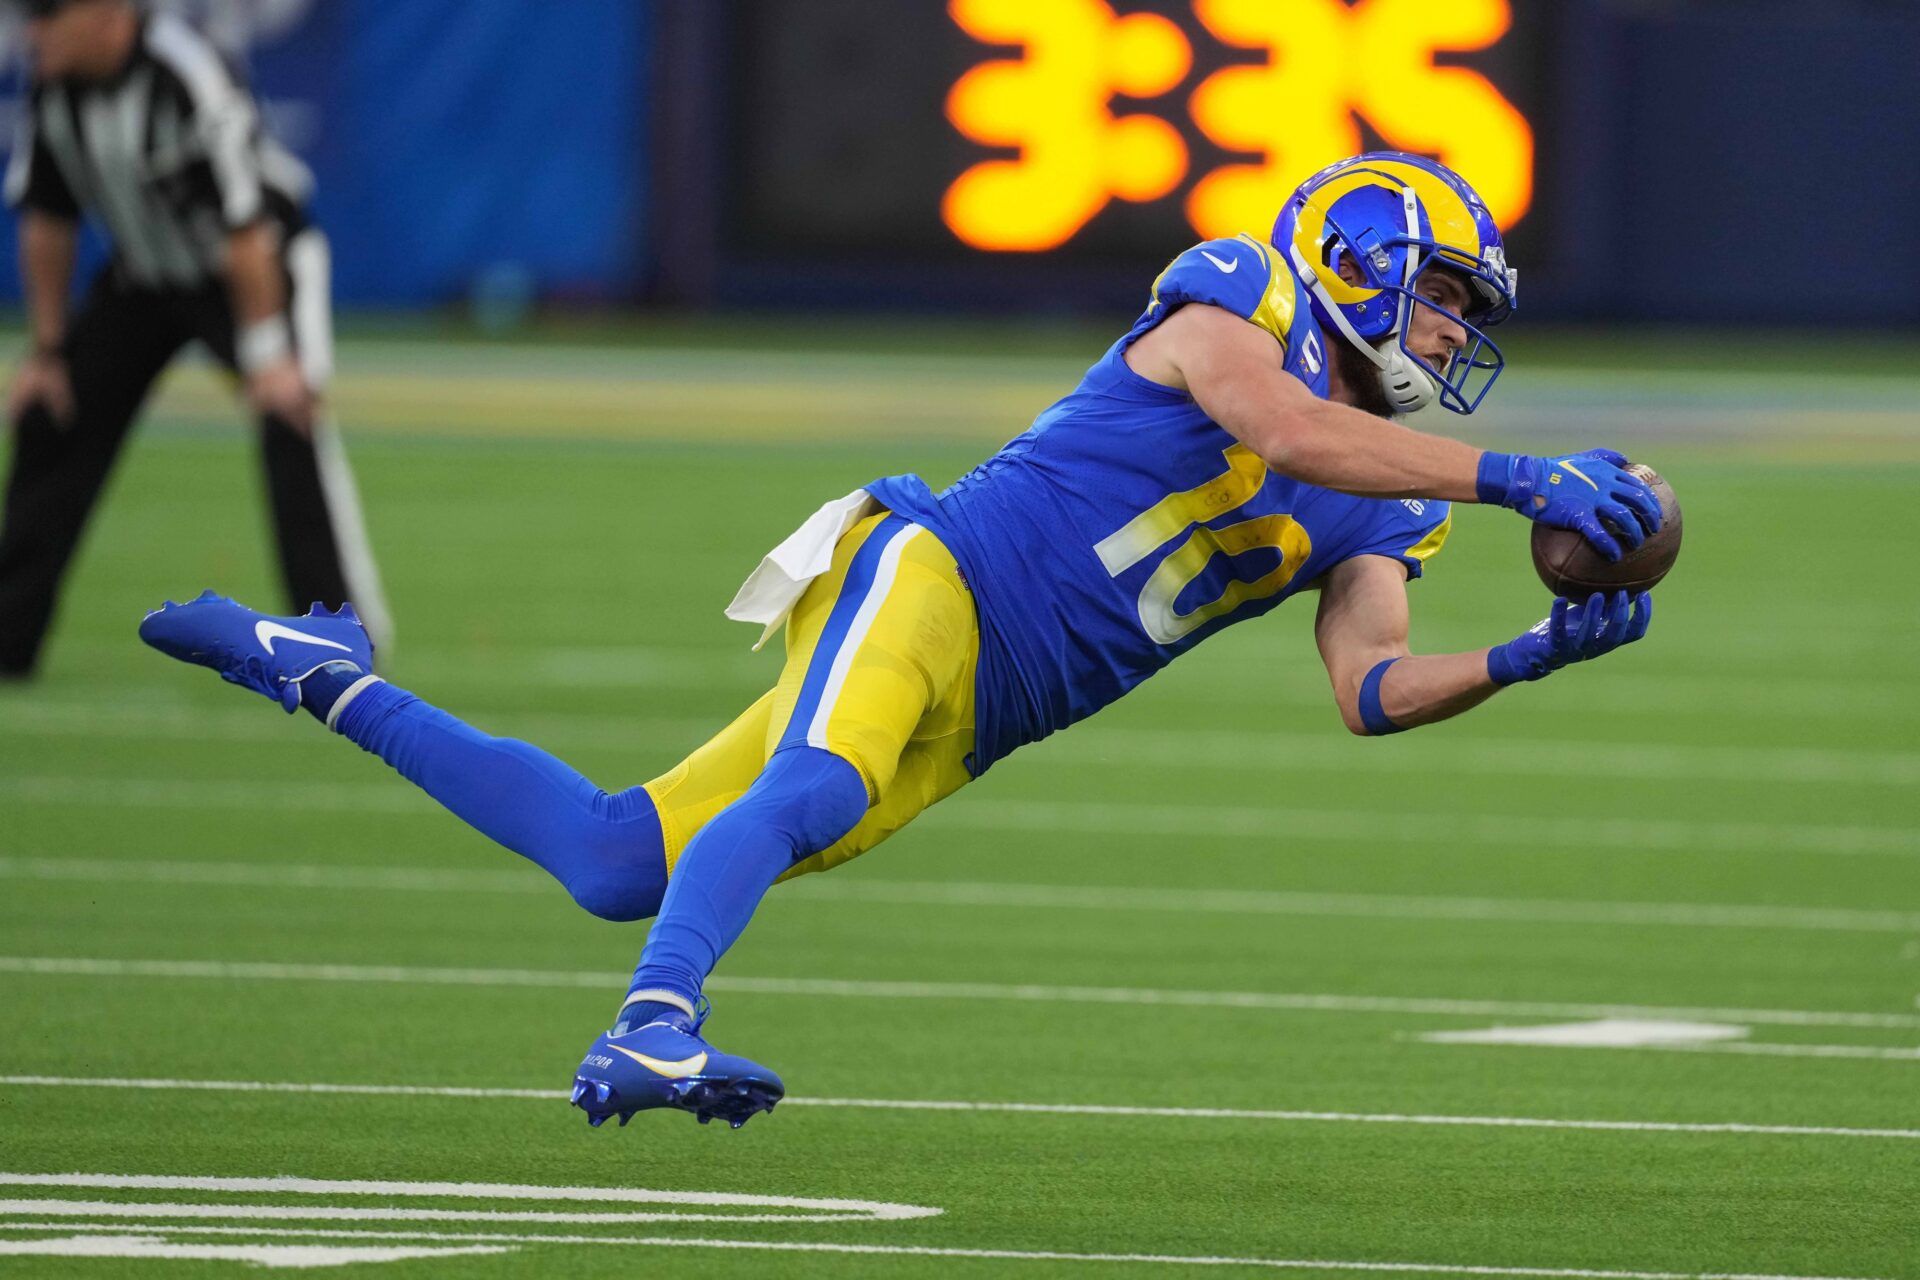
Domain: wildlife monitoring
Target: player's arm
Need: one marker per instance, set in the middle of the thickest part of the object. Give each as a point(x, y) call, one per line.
point(1382, 687)
point(1237, 373)
point(1362, 623)
point(49, 231)
point(263, 339)
point(228, 185)
point(47, 247)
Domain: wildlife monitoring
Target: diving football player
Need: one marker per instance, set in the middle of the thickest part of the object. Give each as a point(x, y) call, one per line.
point(1233, 449)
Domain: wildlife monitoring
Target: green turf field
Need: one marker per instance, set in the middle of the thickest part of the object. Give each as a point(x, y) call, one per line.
point(1205, 981)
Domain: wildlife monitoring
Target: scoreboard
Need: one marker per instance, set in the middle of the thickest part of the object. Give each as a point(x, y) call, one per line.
point(1061, 134)
point(1323, 67)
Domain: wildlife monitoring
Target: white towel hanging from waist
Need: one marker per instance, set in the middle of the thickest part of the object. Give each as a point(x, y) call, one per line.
point(777, 583)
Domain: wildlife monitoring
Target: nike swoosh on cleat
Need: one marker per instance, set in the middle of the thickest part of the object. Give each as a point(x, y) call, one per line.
point(268, 631)
point(1227, 268)
point(1568, 466)
point(684, 1067)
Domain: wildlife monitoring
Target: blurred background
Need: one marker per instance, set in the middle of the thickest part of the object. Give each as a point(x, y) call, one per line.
point(846, 239)
point(1709, 162)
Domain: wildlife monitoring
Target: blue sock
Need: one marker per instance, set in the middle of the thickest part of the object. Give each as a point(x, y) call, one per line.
point(803, 801)
point(604, 848)
point(322, 688)
point(639, 1013)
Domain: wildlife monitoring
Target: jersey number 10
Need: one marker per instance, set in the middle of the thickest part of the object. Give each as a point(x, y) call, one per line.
point(1177, 512)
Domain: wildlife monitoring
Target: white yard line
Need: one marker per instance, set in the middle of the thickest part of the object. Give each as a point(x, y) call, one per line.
point(1338, 1117)
point(1743, 1047)
point(797, 1209)
point(164, 1219)
point(1184, 901)
point(1211, 749)
point(333, 1213)
point(871, 1210)
point(160, 793)
point(943, 1105)
point(1109, 820)
point(183, 723)
point(1265, 750)
point(1200, 821)
point(267, 971)
point(1687, 915)
point(930, 1251)
point(130, 1242)
point(521, 879)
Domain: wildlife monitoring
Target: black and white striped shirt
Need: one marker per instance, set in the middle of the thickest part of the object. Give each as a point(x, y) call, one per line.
point(169, 154)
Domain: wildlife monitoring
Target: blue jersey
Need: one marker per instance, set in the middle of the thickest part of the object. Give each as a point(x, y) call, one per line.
point(1125, 526)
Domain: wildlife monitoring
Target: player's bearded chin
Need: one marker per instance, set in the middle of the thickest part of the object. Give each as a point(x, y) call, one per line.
point(1362, 380)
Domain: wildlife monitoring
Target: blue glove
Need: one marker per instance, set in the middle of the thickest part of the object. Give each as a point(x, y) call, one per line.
point(1577, 491)
point(1572, 633)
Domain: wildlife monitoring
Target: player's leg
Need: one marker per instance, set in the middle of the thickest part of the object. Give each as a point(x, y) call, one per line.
point(325, 553)
point(934, 763)
point(119, 342)
point(932, 768)
point(873, 646)
point(604, 847)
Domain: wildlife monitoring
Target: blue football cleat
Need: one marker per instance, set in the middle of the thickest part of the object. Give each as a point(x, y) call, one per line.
point(269, 655)
point(666, 1064)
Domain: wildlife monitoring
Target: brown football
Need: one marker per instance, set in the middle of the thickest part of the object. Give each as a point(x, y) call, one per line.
point(1573, 569)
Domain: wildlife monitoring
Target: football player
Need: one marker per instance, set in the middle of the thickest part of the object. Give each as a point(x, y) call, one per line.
point(1234, 448)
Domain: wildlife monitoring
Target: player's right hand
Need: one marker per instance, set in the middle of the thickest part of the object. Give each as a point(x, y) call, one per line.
point(1571, 633)
point(1591, 493)
point(41, 380)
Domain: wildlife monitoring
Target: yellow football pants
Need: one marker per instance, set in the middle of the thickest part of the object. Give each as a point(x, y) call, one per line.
point(881, 652)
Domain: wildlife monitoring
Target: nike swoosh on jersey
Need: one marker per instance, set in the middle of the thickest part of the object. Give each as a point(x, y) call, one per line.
point(267, 631)
point(684, 1067)
point(1228, 267)
point(1576, 471)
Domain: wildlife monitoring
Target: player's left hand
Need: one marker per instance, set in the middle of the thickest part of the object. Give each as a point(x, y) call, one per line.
point(279, 390)
point(1572, 633)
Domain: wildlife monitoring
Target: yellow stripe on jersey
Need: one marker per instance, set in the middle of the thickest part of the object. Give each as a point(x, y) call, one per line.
point(903, 715)
point(1424, 549)
point(1277, 305)
point(1153, 300)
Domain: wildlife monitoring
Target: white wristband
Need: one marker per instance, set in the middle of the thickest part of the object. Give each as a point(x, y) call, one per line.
point(262, 343)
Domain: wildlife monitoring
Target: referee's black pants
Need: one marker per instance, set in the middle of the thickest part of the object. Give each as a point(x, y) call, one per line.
point(120, 340)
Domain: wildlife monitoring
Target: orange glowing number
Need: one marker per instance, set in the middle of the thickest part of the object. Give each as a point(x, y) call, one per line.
point(1053, 104)
point(1326, 61)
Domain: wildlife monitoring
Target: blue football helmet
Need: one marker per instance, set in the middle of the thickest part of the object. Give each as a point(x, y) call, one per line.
point(1393, 216)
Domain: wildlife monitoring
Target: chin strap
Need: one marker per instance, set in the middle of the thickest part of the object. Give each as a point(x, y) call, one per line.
point(1408, 386)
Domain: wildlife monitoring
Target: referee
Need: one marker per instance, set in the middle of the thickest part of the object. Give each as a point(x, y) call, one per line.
point(136, 120)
